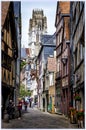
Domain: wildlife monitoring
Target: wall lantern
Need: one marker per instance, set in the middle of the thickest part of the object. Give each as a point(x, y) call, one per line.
point(67, 42)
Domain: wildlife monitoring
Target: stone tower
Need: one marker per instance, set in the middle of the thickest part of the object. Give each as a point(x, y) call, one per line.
point(37, 27)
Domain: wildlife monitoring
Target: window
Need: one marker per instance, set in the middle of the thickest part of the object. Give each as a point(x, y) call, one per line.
point(9, 63)
point(9, 39)
point(6, 48)
point(60, 36)
point(2, 35)
point(9, 78)
point(5, 35)
point(51, 78)
point(4, 75)
point(77, 11)
point(58, 17)
point(56, 40)
point(76, 58)
point(81, 5)
point(58, 66)
point(74, 19)
point(65, 69)
point(82, 42)
point(63, 93)
point(58, 91)
point(8, 36)
point(81, 52)
point(78, 54)
point(3, 58)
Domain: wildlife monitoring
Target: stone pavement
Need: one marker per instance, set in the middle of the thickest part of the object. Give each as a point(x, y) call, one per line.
point(34, 118)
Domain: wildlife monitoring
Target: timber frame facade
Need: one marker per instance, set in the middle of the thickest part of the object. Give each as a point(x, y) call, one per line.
point(63, 57)
point(78, 42)
point(9, 53)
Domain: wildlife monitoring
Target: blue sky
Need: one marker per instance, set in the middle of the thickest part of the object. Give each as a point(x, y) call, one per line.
point(49, 7)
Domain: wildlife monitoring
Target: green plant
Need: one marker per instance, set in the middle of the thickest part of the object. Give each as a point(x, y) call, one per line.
point(71, 109)
point(80, 114)
point(24, 92)
point(77, 97)
point(22, 64)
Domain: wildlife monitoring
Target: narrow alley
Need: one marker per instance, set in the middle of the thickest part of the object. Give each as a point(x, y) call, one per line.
point(34, 118)
point(42, 64)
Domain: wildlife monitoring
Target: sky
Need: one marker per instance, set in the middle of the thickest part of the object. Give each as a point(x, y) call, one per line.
point(49, 8)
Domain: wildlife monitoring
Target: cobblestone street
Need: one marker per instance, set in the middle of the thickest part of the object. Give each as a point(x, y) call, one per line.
point(34, 118)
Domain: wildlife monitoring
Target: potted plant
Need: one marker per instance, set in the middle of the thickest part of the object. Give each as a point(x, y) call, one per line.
point(80, 118)
point(80, 115)
point(72, 113)
point(77, 97)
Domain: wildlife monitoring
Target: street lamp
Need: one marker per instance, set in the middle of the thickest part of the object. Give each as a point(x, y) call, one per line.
point(67, 42)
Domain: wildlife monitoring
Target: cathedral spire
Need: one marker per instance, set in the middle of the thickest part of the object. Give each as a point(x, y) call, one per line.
point(37, 27)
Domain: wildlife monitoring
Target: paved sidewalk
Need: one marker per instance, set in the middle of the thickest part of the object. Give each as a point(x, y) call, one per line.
point(72, 125)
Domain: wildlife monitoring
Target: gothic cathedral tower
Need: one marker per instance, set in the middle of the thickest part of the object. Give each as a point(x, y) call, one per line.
point(37, 27)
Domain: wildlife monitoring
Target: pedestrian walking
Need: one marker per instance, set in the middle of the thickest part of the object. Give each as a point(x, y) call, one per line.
point(25, 105)
point(30, 102)
point(13, 110)
point(19, 108)
point(32, 105)
point(9, 109)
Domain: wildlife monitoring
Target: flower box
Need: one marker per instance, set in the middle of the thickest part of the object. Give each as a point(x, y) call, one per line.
point(77, 97)
point(72, 109)
point(80, 115)
point(72, 115)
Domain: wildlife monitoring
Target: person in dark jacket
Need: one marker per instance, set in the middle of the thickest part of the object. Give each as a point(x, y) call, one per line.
point(9, 109)
point(20, 108)
point(25, 105)
point(30, 102)
point(13, 110)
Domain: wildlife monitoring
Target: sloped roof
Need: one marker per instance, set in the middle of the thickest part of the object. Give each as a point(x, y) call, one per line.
point(52, 40)
point(48, 39)
point(45, 38)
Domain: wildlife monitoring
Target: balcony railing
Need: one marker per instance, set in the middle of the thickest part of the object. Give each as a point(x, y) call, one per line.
point(58, 75)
